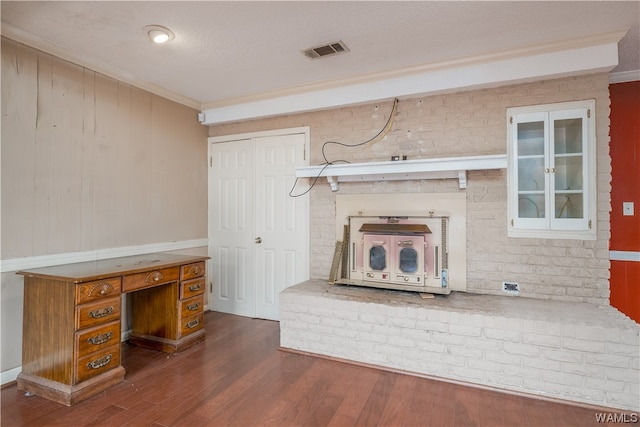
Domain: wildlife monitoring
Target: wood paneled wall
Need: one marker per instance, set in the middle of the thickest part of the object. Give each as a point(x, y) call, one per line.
point(89, 162)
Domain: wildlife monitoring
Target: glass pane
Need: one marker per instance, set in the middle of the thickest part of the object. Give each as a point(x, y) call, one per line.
point(378, 258)
point(569, 206)
point(568, 174)
point(408, 260)
point(530, 138)
point(531, 174)
point(531, 206)
point(567, 136)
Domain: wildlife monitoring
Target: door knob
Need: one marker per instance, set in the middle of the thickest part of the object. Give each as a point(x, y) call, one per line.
point(258, 239)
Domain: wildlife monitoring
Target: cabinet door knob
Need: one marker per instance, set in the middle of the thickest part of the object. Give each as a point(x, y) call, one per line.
point(258, 240)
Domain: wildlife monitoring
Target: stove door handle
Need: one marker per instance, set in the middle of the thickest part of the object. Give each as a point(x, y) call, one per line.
point(377, 242)
point(405, 243)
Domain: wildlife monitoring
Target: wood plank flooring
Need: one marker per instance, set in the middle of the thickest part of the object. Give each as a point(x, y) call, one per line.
point(237, 377)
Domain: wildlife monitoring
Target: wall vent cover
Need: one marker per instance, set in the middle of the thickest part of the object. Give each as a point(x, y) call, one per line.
point(326, 50)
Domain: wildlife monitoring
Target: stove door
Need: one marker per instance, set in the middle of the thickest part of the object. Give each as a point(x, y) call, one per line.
point(409, 267)
point(378, 253)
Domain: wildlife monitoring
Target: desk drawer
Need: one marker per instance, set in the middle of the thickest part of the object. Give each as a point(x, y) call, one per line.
point(97, 313)
point(191, 306)
point(150, 278)
point(95, 339)
point(92, 291)
point(97, 363)
point(189, 325)
point(192, 288)
point(191, 271)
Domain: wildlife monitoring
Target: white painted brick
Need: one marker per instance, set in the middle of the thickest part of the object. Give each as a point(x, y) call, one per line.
point(484, 344)
point(522, 349)
point(520, 371)
point(468, 373)
point(376, 319)
point(586, 370)
point(509, 381)
point(622, 375)
point(472, 331)
point(432, 347)
point(563, 378)
point(623, 349)
point(502, 335)
point(439, 337)
point(485, 365)
point(542, 364)
point(606, 385)
point(610, 360)
point(562, 355)
point(388, 349)
point(372, 337)
point(431, 325)
point(542, 340)
point(583, 345)
point(503, 358)
point(399, 341)
point(467, 352)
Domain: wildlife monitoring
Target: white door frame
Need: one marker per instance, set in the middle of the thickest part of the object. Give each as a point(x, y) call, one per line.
point(305, 130)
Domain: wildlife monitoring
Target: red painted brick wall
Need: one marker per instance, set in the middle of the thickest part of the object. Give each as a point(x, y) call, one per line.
point(625, 187)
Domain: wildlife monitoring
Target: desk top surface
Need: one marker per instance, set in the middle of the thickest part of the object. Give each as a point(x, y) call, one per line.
point(100, 269)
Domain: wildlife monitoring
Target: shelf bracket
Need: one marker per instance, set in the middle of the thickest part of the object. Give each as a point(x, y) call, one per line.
point(462, 179)
point(333, 183)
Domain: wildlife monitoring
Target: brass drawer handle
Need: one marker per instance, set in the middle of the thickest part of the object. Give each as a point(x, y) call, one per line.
point(100, 339)
point(193, 324)
point(99, 363)
point(154, 276)
point(193, 307)
point(96, 314)
point(193, 288)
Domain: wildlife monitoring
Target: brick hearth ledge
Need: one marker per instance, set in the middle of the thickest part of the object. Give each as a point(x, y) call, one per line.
point(562, 350)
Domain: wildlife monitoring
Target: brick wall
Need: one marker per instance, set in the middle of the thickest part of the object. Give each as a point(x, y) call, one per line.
point(456, 124)
point(556, 349)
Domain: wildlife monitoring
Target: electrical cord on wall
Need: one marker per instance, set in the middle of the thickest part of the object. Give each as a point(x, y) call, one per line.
point(380, 135)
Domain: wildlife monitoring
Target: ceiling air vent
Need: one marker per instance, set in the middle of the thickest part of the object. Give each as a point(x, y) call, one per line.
point(326, 50)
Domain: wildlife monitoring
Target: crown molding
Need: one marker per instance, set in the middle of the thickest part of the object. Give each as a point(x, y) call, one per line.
point(20, 36)
point(624, 76)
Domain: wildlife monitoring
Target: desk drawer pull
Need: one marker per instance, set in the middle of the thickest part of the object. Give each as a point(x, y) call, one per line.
point(193, 307)
point(100, 339)
point(194, 288)
point(193, 324)
point(96, 314)
point(100, 363)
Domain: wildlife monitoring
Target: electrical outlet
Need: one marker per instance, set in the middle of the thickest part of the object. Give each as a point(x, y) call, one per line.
point(627, 208)
point(510, 288)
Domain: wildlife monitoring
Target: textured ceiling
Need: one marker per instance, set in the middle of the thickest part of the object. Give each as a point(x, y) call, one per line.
point(228, 51)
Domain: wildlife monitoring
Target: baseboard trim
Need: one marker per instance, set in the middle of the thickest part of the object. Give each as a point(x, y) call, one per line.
point(453, 381)
point(16, 264)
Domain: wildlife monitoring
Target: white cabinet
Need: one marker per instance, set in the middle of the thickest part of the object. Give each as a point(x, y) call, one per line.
point(551, 171)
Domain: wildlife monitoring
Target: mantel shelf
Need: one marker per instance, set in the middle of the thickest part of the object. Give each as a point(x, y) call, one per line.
point(440, 168)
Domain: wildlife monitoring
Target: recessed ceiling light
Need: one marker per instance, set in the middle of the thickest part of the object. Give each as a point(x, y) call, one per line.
point(159, 34)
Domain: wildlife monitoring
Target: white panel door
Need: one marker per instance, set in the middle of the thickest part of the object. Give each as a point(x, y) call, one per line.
point(232, 227)
point(258, 233)
point(281, 221)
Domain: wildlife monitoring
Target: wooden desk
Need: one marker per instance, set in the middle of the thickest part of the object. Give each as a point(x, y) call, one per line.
point(71, 321)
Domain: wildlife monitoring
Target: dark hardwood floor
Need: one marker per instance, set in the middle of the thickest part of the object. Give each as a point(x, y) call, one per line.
point(238, 377)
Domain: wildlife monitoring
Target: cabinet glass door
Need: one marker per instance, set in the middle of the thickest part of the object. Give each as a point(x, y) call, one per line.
point(568, 167)
point(551, 170)
point(530, 150)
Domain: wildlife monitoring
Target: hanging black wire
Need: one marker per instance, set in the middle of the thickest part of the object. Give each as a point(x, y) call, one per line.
point(327, 163)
